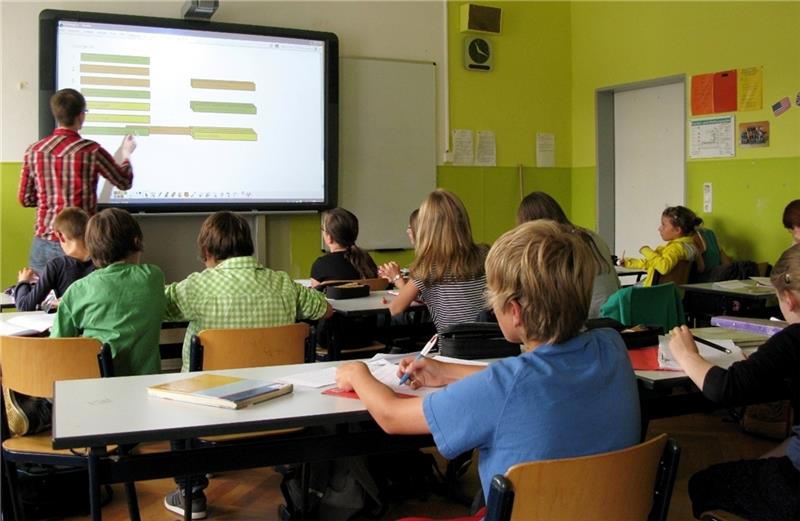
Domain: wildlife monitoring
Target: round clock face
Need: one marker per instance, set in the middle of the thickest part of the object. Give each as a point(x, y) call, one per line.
point(479, 50)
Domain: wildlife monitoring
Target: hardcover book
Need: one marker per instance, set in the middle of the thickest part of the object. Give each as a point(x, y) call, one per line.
point(230, 392)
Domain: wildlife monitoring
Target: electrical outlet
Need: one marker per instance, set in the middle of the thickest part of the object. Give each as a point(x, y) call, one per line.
point(707, 197)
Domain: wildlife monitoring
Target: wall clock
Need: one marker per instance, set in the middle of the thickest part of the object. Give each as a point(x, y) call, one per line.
point(477, 53)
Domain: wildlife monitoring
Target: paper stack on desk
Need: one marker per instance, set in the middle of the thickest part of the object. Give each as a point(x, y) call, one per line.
point(714, 356)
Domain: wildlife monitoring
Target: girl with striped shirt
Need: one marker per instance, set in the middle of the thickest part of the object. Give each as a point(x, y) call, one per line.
point(448, 272)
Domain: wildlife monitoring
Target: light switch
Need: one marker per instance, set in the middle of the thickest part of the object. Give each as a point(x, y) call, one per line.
point(707, 197)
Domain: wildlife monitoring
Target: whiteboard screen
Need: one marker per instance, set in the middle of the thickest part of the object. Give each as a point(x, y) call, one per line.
point(387, 145)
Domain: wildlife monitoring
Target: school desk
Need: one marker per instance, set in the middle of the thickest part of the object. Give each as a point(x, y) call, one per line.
point(6, 301)
point(705, 300)
point(98, 412)
point(622, 271)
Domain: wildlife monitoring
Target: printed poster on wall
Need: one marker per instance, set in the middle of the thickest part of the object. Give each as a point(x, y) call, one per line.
point(712, 137)
point(702, 94)
point(751, 81)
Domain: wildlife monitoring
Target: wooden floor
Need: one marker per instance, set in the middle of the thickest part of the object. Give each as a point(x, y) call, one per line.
point(254, 494)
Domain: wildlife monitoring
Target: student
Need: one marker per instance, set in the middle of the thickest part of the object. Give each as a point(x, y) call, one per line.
point(539, 205)
point(346, 261)
point(411, 230)
point(448, 269)
point(569, 394)
point(762, 489)
point(63, 169)
point(122, 301)
point(791, 219)
point(234, 291)
point(711, 257)
point(69, 227)
point(678, 224)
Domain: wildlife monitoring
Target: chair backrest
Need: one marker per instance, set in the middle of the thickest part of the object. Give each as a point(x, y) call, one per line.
point(634, 484)
point(656, 305)
point(252, 347)
point(31, 365)
point(679, 274)
point(376, 284)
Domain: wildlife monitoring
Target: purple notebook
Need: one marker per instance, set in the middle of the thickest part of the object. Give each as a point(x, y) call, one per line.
point(756, 325)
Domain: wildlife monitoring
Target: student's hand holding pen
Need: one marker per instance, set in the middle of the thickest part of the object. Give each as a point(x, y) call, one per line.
point(682, 344)
point(423, 372)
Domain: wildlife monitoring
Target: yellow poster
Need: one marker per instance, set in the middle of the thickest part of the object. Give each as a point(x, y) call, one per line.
point(750, 87)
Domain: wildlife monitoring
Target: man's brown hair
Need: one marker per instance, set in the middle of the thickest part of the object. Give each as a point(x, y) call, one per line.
point(111, 236)
point(71, 222)
point(66, 105)
point(225, 235)
point(549, 270)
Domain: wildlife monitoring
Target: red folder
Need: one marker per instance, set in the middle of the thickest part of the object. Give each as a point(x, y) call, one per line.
point(335, 391)
point(644, 359)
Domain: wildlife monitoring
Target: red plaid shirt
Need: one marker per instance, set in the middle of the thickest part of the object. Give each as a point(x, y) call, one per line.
point(62, 170)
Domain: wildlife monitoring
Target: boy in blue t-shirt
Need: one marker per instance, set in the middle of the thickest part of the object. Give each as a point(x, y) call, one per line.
point(569, 394)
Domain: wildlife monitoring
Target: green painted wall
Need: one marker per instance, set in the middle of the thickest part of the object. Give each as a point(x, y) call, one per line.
point(16, 226)
point(625, 42)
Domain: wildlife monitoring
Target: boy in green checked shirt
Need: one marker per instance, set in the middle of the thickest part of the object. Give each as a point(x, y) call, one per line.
point(235, 291)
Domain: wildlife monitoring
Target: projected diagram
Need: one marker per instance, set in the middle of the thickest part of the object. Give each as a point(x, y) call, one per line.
point(118, 95)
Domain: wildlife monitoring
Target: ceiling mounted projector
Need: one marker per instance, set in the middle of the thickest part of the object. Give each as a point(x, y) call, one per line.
point(199, 9)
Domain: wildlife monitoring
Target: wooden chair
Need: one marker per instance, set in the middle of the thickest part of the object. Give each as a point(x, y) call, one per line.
point(376, 284)
point(679, 274)
point(216, 349)
point(633, 484)
point(31, 366)
point(720, 515)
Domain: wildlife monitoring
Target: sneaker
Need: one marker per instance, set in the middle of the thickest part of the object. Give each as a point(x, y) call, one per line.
point(175, 500)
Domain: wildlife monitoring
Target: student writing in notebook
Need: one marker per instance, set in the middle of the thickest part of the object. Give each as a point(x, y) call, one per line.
point(764, 489)
point(69, 227)
point(448, 270)
point(571, 393)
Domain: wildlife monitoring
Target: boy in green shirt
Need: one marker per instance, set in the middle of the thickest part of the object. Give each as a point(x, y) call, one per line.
point(235, 291)
point(120, 303)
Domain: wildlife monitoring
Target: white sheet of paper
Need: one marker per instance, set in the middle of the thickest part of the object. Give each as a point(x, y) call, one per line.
point(545, 149)
point(36, 321)
point(714, 356)
point(486, 149)
point(318, 378)
point(463, 151)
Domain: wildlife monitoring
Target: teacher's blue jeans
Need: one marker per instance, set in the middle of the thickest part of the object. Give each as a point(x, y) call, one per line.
point(42, 251)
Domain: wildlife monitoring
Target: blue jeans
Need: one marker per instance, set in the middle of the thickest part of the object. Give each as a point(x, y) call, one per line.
point(42, 251)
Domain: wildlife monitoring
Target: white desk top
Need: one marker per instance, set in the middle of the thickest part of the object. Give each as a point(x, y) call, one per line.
point(22, 323)
point(118, 410)
point(373, 303)
point(737, 288)
point(623, 271)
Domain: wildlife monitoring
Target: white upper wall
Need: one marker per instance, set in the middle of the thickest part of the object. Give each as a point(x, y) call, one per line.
point(400, 30)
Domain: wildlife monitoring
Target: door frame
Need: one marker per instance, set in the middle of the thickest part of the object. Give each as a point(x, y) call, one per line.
point(606, 150)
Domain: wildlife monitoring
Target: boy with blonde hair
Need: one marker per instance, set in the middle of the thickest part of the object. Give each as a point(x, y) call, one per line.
point(568, 394)
point(60, 272)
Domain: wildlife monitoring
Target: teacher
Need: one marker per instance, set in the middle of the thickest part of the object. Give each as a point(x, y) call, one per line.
point(62, 170)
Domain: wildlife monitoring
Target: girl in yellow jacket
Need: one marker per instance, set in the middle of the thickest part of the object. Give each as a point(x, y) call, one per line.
point(678, 225)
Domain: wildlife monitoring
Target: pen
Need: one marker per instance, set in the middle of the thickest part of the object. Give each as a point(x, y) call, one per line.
point(422, 354)
point(711, 344)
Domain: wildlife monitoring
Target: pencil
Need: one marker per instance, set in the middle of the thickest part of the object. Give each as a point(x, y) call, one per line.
point(711, 344)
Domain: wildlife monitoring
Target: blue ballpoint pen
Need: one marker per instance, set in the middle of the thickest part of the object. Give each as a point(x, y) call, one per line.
point(422, 354)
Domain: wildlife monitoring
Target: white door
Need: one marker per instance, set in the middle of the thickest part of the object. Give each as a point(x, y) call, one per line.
point(649, 162)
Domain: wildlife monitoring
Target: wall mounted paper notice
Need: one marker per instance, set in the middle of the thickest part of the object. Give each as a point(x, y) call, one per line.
point(712, 137)
point(545, 149)
point(725, 96)
point(750, 88)
point(486, 148)
point(702, 94)
point(462, 147)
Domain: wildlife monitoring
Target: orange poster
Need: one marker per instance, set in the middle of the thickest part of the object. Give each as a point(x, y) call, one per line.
point(702, 94)
point(725, 91)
